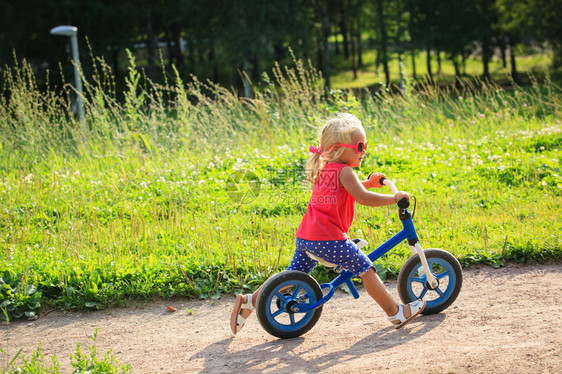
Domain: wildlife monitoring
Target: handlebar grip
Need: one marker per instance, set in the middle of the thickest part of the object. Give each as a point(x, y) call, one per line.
point(403, 203)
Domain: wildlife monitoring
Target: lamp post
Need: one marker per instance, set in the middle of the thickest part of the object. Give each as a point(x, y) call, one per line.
point(71, 32)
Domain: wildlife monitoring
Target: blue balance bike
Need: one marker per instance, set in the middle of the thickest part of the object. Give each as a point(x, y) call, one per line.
point(290, 303)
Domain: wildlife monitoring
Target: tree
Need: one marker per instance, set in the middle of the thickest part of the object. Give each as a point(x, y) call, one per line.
point(456, 30)
point(425, 16)
point(343, 16)
point(538, 18)
point(110, 28)
point(382, 38)
point(485, 21)
point(226, 41)
point(325, 45)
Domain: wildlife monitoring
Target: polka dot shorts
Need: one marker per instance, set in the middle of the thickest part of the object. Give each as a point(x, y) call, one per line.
point(343, 253)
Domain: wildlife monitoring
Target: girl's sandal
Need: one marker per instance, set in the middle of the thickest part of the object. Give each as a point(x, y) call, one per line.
point(416, 307)
point(237, 320)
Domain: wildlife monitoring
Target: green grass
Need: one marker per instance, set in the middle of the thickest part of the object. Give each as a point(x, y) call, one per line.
point(80, 362)
point(155, 203)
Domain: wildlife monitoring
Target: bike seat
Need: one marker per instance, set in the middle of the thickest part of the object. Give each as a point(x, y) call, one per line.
point(359, 242)
point(320, 260)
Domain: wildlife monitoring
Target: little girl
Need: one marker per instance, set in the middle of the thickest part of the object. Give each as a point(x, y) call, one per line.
point(329, 215)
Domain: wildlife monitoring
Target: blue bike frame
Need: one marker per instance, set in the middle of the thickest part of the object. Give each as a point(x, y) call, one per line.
point(408, 232)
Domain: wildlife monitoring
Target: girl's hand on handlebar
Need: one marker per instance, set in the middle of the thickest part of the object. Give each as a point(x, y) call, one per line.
point(401, 195)
point(375, 180)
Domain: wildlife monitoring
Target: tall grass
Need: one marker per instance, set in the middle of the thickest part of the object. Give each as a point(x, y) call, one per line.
point(149, 204)
point(79, 361)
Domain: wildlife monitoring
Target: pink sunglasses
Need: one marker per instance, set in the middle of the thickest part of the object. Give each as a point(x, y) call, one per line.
point(359, 147)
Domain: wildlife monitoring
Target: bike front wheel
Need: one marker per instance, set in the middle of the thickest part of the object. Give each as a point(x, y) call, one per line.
point(413, 285)
point(283, 293)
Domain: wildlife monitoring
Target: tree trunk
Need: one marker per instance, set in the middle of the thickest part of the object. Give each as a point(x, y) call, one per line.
point(502, 45)
point(231, 81)
point(336, 41)
point(319, 50)
point(326, 35)
point(215, 68)
point(247, 86)
point(486, 59)
point(382, 37)
point(178, 47)
point(413, 54)
point(211, 56)
point(150, 42)
point(401, 71)
point(438, 62)
point(428, 61)
point(454, 60)
point(256, 70)
point(278, 51)
point(115, 59)
point(191, 56)
point(343, 30)
point(169, 46)
point(359, 43)
point(353, 54)
point(456, 66)
point(514, 75)
point(378, 58)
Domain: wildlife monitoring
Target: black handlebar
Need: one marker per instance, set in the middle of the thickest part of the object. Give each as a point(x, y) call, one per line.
point(403, 203)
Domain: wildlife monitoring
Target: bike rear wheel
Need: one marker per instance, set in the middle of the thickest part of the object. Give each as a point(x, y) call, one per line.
point(278, 298)
point(413, 285)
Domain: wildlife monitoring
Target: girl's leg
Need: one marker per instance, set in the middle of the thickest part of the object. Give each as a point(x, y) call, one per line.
point(300, 262)
point(377, 290)
point(246, 312)
point(242, 310)
point(352, 258)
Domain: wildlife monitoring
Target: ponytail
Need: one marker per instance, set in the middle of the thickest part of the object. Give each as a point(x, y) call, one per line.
point(314, 166)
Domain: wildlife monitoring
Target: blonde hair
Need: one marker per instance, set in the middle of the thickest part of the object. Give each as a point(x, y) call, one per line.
point(336, 130)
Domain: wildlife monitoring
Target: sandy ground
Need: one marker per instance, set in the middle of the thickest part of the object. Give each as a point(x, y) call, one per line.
point(505, 321)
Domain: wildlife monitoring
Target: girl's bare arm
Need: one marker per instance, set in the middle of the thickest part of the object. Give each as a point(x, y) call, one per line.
point(349, 180)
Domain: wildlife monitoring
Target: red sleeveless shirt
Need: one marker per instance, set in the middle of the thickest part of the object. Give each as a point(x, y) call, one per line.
point(330, 211)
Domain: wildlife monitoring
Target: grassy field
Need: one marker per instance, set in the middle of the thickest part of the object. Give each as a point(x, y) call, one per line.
point(369, 75)
point(188, 190)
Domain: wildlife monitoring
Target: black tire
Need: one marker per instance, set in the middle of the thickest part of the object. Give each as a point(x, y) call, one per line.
point(295, 288)
point(445, 267)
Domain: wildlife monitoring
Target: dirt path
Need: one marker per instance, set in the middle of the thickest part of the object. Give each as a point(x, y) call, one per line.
point(505, 320)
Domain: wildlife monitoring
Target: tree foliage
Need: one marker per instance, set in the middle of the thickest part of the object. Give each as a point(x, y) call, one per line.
point(226, 41)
